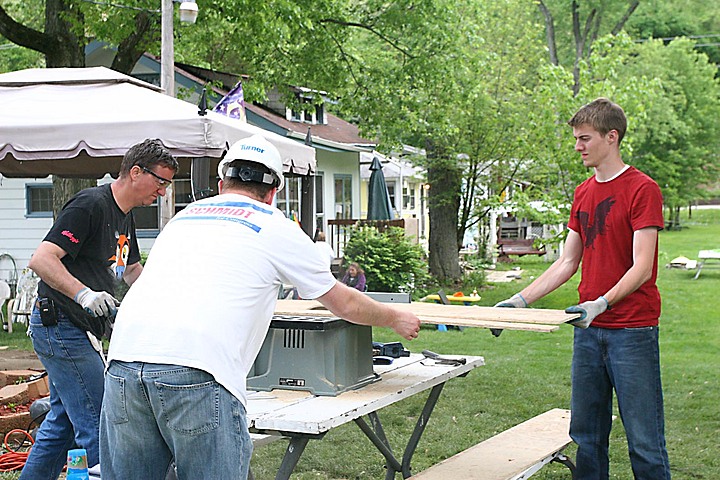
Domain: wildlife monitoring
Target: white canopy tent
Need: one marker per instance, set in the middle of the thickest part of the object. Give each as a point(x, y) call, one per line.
point(79, 122)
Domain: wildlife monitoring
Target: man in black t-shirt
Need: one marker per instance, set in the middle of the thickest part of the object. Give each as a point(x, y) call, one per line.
point(91, 247)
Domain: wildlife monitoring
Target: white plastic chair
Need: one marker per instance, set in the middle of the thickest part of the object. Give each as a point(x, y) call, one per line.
point(25, 298)
point(5, 294)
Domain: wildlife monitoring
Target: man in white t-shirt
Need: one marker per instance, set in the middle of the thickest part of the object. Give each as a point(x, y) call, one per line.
point(189, 329)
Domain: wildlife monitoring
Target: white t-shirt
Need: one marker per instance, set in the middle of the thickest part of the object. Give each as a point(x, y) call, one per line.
point(209, 287)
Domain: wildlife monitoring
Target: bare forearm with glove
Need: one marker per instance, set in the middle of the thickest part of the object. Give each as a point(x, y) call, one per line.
point(46, 263)
point(559, 272)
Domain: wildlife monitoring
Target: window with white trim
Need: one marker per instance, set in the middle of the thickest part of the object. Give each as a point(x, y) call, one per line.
point(39, 200)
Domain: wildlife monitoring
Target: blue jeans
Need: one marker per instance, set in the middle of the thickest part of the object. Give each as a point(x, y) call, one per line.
point(155, 413)
point(628, 361)
point(75, 373)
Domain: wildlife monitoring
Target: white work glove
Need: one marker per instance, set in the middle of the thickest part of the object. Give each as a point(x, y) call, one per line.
point(516, 301)
point(97, 304)
point(588, 311)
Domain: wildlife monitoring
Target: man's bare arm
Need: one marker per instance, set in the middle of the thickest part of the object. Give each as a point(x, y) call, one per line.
point(46, 263)
point(132, 272)
point(644, 242)
point(559, 272)
point(356, 307)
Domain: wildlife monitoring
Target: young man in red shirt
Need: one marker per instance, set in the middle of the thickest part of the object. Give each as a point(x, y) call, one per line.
point(613, 229)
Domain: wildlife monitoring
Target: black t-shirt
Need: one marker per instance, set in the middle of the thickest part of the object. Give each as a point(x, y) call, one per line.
point(100, 242)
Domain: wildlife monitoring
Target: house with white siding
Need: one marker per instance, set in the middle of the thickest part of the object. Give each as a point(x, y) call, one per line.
point(25, 217)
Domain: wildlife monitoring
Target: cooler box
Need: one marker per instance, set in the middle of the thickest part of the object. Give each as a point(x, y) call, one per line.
point(322, 355)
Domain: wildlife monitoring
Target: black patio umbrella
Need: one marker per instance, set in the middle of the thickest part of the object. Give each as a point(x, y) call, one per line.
point(379, 207)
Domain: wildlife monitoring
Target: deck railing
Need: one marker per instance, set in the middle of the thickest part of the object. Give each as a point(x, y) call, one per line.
point(340, 230)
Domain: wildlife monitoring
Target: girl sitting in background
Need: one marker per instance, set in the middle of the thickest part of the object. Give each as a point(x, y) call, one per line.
point(355, 277)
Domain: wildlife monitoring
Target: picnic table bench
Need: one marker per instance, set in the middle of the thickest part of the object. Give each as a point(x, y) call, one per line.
point(514, 454)
point(704, 256)
point(519, 247)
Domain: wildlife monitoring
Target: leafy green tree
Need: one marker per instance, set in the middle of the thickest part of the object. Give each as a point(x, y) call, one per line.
point(664, 19)
point(70, 24)
point(448, 77)
point(13, 56)
point(391, 261)
point(499, 138)
point(277, 44)
point(671, 99)
point(578, 24)
point(680, 145)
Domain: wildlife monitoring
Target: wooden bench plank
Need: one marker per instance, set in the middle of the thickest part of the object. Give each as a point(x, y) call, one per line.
point(519, 247)
point(509, 453)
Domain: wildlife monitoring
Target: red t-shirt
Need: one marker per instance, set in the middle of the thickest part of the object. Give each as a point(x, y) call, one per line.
point(606, 214)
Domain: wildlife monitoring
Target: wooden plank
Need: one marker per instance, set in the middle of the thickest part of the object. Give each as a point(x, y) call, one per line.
point(448, 313)
point(320, 414)
point(462, 322)
point(509, 453)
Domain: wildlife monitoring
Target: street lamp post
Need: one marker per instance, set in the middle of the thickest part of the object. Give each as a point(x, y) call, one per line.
point(188, 14)
point(167, 49)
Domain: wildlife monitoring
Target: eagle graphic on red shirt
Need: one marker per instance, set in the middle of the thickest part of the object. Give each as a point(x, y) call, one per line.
point(602, 210)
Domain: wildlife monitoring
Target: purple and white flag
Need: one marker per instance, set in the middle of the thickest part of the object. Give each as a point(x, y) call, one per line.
point(233, 104)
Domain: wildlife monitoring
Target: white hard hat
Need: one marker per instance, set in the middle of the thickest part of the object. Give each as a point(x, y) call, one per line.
point(255, 149)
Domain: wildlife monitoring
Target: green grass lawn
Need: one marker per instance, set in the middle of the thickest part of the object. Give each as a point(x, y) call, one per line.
point(527, 373)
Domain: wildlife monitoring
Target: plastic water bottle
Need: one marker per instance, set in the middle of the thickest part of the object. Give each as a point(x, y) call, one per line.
point(77, 467)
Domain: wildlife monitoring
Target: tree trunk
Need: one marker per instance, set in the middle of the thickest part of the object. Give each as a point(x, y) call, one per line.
point(549, 33)
point(621, 23)
point(134, 45)
point(65, 188)
point(445, 179)
point(65, 47)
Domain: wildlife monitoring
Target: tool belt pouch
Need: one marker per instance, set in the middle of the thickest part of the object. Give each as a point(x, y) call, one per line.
point(48, 314)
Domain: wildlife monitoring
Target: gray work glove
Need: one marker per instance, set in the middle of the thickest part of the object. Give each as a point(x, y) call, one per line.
point(516, 301)
point(97, 304)
point(588, 311)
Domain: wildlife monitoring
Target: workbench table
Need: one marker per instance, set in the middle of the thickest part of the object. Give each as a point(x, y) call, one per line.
point(302, 416)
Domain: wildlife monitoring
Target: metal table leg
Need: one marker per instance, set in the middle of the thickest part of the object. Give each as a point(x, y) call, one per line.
point(420, 428)
point(376, 434)
point(699, 267)
point(294, 450)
